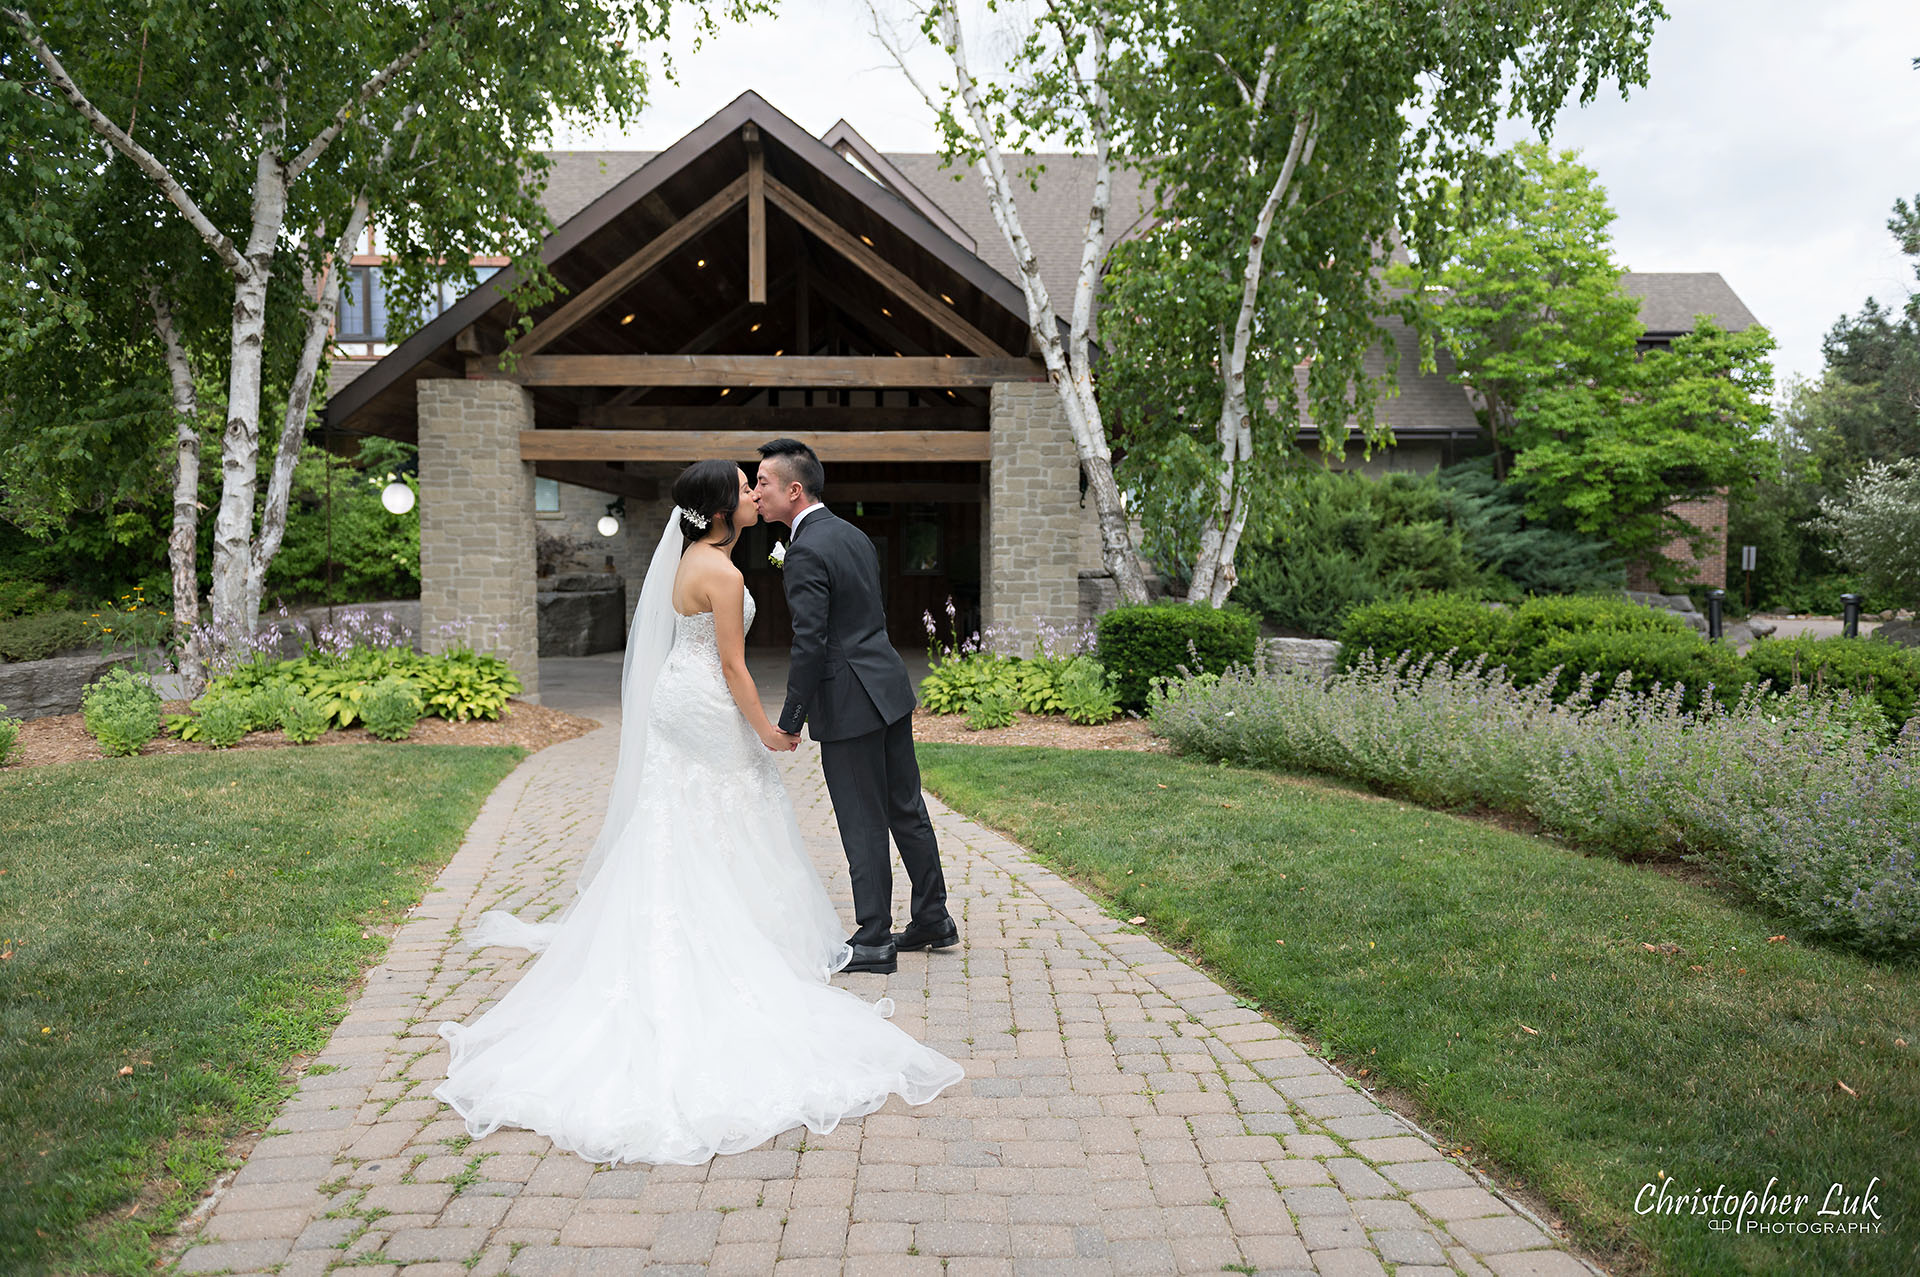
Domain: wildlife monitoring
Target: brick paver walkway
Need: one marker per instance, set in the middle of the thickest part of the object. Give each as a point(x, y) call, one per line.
point(1121, 1113)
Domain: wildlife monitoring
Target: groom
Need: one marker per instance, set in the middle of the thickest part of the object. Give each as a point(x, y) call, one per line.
point(847, 682)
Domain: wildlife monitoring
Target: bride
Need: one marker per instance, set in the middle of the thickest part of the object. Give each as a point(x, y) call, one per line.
point(681, 1006)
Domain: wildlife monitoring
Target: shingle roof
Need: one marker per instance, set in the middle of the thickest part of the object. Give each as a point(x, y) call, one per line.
point(578, 178)
point(1427, 403)
point(1669, 303)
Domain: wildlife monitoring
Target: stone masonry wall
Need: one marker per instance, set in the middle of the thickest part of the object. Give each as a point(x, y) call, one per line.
point(1035, 528)
point(476, 521)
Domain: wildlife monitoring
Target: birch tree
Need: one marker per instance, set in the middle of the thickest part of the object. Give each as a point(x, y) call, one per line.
point(275, 142)
point(1061, 90)
point(1292, 145)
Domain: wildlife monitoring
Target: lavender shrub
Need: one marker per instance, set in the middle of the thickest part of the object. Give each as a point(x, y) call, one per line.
point(1794, 798)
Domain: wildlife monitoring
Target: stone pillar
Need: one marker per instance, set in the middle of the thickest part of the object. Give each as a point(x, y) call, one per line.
point(476, 522)
point(1035, 529)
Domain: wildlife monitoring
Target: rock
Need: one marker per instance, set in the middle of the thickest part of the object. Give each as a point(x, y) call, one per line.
point(40, 689)
point(1099, 595)
point(582, 622)
point(1311, 656)
point(1906, 633)
point(1760, 627)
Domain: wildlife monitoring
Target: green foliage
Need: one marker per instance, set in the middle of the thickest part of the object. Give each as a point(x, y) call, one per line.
point(1538, 623)
point(1140, 643)
point(302, 720)
point(1609, 458)
point(1087, 692)
point(391, 708)
point(223, 718)
point(1884, 672)
point(1523, 556)
point(1875, 529)
point(994, 707)
point(376, 554)
point(961, 681)
point(1201, 374)
point(121, 711)
point(1529, 296)
point(1348, 539)
point(1640, 660)
point(27, 598)
point(1436, 625)
point(36, 637)
point(457, 685)
point(9, 735)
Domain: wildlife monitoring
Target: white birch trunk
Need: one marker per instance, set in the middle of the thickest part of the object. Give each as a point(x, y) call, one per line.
point(1213, 571)
point(240, 441)
point(1070, 374)
point(183, 540)
point(293, 427)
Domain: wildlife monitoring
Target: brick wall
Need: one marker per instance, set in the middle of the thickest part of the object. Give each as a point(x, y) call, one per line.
point(476, 520)
point(1035, 529)
point(1709, 514)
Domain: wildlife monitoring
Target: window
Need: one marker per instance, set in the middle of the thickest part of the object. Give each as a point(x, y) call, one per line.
point(546, 496)
point(363, 302)
point(921, 544)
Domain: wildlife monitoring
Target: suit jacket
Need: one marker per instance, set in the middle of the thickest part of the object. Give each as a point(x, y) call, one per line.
point(844, 677)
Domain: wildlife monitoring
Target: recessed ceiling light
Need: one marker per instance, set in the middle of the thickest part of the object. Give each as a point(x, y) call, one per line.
point(701, 263)
point(866, 241)
point(725, 391)
point(626, 319)
point(754, 329)
point(886, 312)
point(778, 353)
point(948, 300)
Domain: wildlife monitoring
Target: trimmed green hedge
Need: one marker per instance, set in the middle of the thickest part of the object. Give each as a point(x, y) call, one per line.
point(1434, 625)
point(1867, 667)
point(1647, 657)
point(1142, 642)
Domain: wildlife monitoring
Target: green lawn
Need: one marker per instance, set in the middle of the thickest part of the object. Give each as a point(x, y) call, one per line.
point(1418, 944)
point(200, 919)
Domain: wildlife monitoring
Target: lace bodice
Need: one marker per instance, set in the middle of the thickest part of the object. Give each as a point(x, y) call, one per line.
point(695, 636)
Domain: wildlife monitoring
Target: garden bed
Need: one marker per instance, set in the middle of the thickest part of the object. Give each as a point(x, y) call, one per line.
point(1053, 730)
point(64, 738)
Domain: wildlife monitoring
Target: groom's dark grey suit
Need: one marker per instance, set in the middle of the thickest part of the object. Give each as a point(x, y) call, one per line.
point(846, 682)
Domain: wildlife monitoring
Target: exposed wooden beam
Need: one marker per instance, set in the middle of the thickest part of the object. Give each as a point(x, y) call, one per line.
point(857, 372)
point(791, 420)
point(601, 478)
point(622, 277)
point(875, 326)
point(756, 216)
point(743, 445)
point(908, 492)
point(850, 246)
point(707, 337)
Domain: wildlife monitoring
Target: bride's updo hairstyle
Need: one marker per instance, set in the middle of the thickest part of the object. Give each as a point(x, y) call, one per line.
point(710, 489)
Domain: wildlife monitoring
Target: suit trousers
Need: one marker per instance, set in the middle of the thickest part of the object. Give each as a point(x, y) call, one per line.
point(874, 781)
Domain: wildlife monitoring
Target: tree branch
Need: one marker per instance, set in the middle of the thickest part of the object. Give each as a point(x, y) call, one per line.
point(368, 92)
point(143, 159)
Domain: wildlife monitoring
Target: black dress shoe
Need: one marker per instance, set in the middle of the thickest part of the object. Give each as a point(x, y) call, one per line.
point(877, 958)
point(941, 935)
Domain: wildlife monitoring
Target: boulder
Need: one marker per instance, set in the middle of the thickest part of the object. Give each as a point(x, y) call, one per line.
point(1307, 656)
point(586, 613)
point(41, 689)
point(1906, 633)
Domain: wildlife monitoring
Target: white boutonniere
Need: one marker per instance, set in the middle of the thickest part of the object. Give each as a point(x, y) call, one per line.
point(778, 555)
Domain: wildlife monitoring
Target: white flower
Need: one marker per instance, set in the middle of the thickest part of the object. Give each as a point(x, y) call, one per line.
point(778, 555)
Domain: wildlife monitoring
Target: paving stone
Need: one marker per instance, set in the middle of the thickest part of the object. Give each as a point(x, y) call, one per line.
point(1157, 1151)
point(1348, 1263)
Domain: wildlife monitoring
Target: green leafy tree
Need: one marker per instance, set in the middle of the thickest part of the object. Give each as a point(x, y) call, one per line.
point(1290, 143)
point(1527, 297)
point(247, 150)
point(1610, 457)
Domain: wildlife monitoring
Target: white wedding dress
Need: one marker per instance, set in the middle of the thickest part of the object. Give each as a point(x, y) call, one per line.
point(682, 1008)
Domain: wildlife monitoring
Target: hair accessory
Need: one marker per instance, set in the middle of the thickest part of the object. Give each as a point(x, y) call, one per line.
point(697, 520)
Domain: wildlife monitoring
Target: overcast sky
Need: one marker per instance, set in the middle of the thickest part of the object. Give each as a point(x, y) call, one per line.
point(1769, 145)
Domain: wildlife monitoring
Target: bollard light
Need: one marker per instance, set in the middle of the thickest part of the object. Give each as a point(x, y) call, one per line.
point(397, 497)
point(1714, 600)
point(1850, 615)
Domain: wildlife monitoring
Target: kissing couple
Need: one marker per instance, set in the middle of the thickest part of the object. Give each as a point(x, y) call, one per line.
point(681, 1007)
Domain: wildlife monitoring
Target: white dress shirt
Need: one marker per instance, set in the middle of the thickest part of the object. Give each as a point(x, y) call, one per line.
point(793, 529)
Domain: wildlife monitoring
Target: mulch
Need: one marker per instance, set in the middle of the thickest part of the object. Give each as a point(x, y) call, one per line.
point(64, 739)
point(1052, 731)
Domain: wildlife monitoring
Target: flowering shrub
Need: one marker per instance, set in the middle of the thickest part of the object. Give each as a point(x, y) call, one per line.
point(1875, 529)
point(1866, 667)
point(1781, 795)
